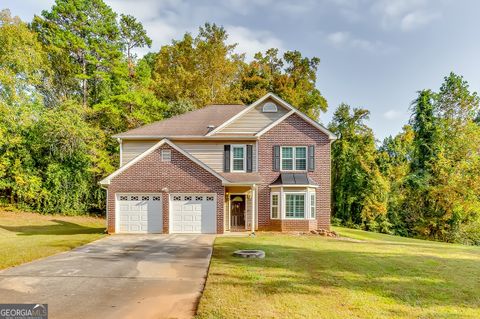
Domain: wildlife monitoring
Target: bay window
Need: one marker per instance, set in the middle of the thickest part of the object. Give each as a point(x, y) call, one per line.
point(294, 205)
point(313, 206)
point(274, 206)
point(287, 203)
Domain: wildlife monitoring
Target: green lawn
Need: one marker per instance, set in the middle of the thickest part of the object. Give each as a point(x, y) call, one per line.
point(375, 276)
point(28, 236)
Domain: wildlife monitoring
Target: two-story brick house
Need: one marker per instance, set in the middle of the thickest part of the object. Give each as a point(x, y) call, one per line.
point(221, 168)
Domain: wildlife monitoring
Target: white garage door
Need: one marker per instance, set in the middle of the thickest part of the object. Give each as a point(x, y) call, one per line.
point(139, 213)
point(193, 213)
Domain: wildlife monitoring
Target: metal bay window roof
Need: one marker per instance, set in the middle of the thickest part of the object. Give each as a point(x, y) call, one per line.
point(293, 179)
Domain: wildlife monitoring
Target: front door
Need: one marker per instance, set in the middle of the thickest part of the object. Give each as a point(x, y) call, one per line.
point(237, 211)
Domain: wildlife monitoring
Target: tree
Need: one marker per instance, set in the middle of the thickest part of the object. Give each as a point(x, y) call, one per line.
point(84, 35)
point(132, 35)
point(394, 160)
point(425, 127)
point(454, 190)
point(201, 70)
point(359, 189)
point(23, 63)
point(23, 66)
point(292, 77)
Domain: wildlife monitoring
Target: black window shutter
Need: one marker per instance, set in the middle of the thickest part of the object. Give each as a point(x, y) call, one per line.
point(226, 158)
point(276, 158)
point(249, 158)
point(311, 158)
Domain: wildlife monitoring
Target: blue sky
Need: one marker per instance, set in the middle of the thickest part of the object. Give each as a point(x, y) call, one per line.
point(374, 54)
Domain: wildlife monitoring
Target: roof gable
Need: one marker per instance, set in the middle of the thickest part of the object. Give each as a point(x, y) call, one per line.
point(252, 121)
point(280, 102)
point(107, 180)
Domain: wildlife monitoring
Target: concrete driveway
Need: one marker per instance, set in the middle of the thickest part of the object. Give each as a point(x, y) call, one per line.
point(120, 276)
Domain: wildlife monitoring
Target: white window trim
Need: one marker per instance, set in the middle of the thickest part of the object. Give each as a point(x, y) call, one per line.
point(305, 207)
point(279, 211)
point(313, 215)
point(282, 207)
point(294, 159)
point(164, 153)
point(274, 107)
point(244, 158)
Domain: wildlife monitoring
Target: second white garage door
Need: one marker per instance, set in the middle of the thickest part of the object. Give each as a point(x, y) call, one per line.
point(193, 213)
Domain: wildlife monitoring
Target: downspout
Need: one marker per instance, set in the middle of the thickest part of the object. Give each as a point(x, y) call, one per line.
point(254, 191)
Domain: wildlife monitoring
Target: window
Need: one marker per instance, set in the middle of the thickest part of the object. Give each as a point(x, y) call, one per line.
point(166, 155)
point(294, 158)
point(313, 213)
point(269, 107)
point(274, 211)
point(287, 158)
point(295, 205)
point(300, 158)
point(238, 158)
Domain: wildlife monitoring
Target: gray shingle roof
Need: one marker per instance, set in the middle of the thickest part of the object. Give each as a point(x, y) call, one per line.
point(247, 178)
point(192, 123)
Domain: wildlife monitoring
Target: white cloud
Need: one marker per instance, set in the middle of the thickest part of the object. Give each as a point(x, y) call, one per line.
point(343, 39)
point(405, 15)
point(251, 42)
point(392, 115)
point(338, 38)
point(417, 19)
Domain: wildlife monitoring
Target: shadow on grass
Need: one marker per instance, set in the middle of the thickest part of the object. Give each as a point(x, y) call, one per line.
point(60, 227)
point(409, 278)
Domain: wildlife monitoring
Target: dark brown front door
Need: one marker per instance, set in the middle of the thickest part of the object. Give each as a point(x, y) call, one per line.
point(237, 211)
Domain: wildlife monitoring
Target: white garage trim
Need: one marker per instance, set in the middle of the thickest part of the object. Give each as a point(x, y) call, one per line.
point(117, 210)
point(208, 214)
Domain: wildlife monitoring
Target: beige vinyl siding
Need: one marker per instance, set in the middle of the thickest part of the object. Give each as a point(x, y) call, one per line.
point(133, 148)
point(253, 121)
point(210, 153)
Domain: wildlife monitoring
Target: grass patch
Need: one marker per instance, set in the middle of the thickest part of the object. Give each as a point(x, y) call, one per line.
point(28, 236)
point(314, 277)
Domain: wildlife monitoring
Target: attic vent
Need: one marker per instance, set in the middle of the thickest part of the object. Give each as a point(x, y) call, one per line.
point(269, 107)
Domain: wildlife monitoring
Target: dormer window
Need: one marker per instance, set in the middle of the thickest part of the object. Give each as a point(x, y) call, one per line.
point(269, 107)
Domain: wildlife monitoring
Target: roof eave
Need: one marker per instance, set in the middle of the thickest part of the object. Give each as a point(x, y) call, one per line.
point(293, 185)
point(185, 137)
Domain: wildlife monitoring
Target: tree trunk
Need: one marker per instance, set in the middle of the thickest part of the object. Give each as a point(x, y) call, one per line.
point(84, 84)
point(131, 71)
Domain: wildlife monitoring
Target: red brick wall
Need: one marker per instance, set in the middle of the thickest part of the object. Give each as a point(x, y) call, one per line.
point(151, 175)
point(294, 131)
